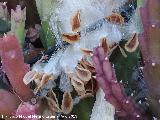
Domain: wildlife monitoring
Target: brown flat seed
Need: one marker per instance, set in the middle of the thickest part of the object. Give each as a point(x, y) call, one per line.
point(71, 38)
point(75, 22)
point(115, 18)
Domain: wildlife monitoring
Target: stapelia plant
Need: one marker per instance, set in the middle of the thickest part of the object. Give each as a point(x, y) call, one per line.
point(14, 66)
point(149, 43)
point(126, 109)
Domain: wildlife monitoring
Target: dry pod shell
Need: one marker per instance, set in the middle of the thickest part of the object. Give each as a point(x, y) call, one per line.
point(122, 51)
point(67, 103)
point(38, 78)
point(71, 38)
point(115, 18)
point(87, 65)
point(86, 51)
point(53, 106)
point(75, 22)
point(132, 43)
point(45, 79)
point(30, 76)
point(112, 48)
point(78, 85)
point(91, 86)
point(83, 74)
point(52, 95)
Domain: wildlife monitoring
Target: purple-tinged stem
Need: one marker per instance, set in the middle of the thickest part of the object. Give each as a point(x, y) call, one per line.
point(150, 48)
point(126, 108)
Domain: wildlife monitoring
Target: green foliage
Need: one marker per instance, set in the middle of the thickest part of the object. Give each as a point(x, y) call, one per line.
point(83, 110)
point(140, 3)
point(46, 35)
point(20, 32)
point(124, 67)
point(45, 8)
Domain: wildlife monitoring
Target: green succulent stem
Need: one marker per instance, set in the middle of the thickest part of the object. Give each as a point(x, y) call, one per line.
point(46, 35)
point(19, 31)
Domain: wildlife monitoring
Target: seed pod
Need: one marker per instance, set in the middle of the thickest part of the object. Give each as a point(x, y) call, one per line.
point(45, 79)
point(86, 51)
point(78, 85)
point(30, 76)
point(132, 43)
point(67, 103)
point(83, 74)
point(53, 106)
point(87, 65)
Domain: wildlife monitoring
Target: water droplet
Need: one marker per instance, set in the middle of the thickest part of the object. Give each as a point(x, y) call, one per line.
point(138, 116)
point(141, 68)
point(140, 102)
point(94, 77)
point(153, 26)
point(106, 58)
point(127, 102)
point(154, 118)
point(153, 64)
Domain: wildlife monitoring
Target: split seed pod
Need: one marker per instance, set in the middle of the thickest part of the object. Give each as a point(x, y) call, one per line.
point(78, 85)
point(86, 51)
point(83, 74)
point(45, 79)
point(67, 103)
point(71, 37)
point(122, 51)
point(75, 22)
point(132, 43)
point(52, 95)
point(38, 78)
point(87, 65)
point(53, 106)
point(29, 77)
point(115, 18)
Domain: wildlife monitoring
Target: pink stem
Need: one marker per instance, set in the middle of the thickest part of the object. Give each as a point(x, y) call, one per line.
point(126, 108)
point(14, 66)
